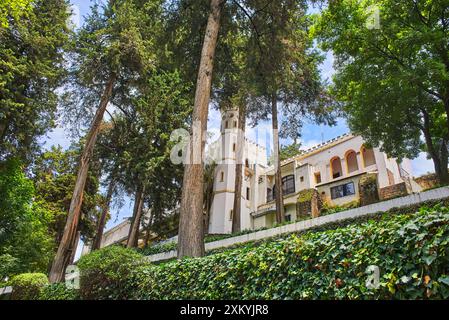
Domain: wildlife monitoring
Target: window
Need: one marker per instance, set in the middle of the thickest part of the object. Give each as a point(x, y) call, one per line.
point(336, 170)
point(233, 147)
point(248, 191)
point(351, 161)
point(317, 177)
point(343, 190)
point(260, 180)
point(222, 176)
point(247, 163)
point(231, 215)
point(368, 157)
point(288, 185)
point(235, 124)
point(301, 179)
point(226, 125)
point(288, 218)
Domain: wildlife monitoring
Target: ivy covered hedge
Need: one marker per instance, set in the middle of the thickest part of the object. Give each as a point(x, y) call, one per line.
point(58, 291)
point(169, 246)
point(411, 251)
point(28, 286)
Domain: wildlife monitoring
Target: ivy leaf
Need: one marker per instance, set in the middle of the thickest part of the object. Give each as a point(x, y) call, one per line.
point(444, 279)
point(428, 259)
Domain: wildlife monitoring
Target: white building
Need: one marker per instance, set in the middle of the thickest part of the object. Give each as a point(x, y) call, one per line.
point(333, 168)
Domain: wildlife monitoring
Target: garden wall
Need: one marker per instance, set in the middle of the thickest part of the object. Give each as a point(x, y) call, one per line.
point(417, 198)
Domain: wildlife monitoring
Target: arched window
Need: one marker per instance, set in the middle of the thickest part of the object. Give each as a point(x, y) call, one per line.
point(247, 163)
point(221, 176)
point(336, 169)
point(351, 161)
point(288, 185)
point(368, 157)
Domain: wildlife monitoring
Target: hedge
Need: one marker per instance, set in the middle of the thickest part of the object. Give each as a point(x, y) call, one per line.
point(102, 271)
point(411, 251)
point(28, 286)
point(169, 246)
point(58, 291)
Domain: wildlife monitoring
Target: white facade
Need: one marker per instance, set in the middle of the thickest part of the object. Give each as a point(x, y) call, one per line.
point(254, 158)
point(332, 168)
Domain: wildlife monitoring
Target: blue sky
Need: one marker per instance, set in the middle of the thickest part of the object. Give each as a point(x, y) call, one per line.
point(312, 134)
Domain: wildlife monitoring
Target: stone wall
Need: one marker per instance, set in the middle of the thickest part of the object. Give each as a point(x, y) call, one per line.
point(435, 194)
point(308, 203)
point(394, 191)
point(368, 190)
point(427, 181)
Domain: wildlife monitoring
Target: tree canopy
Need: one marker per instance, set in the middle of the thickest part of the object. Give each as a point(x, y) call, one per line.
point(32, 67)
point(392, 78)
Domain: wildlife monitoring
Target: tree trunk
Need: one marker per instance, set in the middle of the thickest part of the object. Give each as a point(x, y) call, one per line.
point(208, 193)
point(148, 231)
point(74, 247)
point(277, 162)
point(133, 236)
point(63, 254)
point(444, 174)
point(439, 157)
point(96, 243)
point(3, 130)
point(191, 229)
point(236, 219)
point(446, 108)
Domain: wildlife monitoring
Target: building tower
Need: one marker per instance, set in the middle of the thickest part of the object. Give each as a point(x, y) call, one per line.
point(221, 212)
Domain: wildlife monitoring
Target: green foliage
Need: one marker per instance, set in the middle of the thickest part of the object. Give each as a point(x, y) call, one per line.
point(334, 209)
point(158, 248)
point(289, 151)
point(31, 68)
point(12, 9)
point(283, 66)
point(116, 42)
point(170, 246)
point(16, 191)
point(306, 195)
point(54, 176)
point(58, 291)
point(411, 251)
point(24, 236)
point(392, 90)
point(103, 272)
point(28, 286)
point(8, 264)
point(328, 226)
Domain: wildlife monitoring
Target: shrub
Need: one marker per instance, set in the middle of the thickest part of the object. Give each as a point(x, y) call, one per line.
point(58, 291)
point(104, 272)
point(411, 251)
point(8, 265)
point(28, 286)
point(335, 209)
point(158, 248)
